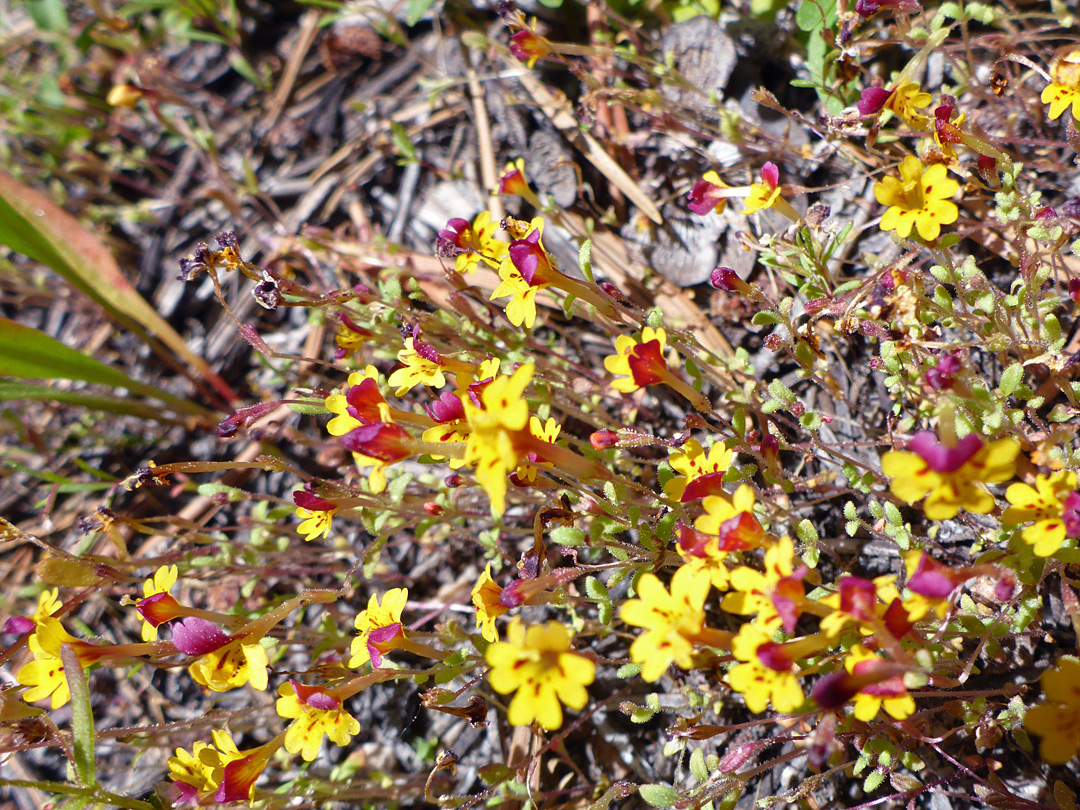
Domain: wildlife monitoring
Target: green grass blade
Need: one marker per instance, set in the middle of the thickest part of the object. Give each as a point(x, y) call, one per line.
point(31, 354)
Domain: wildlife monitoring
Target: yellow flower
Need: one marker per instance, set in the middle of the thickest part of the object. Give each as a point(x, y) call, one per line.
point(200, 772)
point(379, 624)
point(315, 712)
point(726, 526)
point(918, 199)
point(242, 660)
point(161, 582)
point(888, 693)
point(764, 194)
point(476, 243)
point(767, 671)
point(638, 363)
point(422, 366)
point(870, 605)
point(775, 595)
point(1053, 505)
point(360, 404)
point(906, 101)
point(693, 465)
point(525, 270)
point(45, 673)
point(315, 521)
point(485, 597)
point(954, 477)
point(538, 665)
point(546, 432)
point(1060, 98)
point(673, 621)
point(493, 445)
point(1057, 719)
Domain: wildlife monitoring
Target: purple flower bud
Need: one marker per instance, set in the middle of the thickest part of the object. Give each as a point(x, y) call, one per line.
point(726, 279)
point(19, 625)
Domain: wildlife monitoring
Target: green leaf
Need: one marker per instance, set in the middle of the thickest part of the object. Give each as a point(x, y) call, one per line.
point(567, 536)
point(781, 393)
point(14, 391)
point(585, 260)
point(810, 15)
point(764, 318)
point(697, 766)
point(1011, 378)
point(34, 225)
point(403, 144)
point(48, 15)
point(659, 795)
point(82, 716)
point(873, 780)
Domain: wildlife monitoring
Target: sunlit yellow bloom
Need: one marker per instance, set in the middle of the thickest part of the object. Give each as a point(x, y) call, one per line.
point(919, 199)
point(161, 582)
point(242, 660)
point(692, 464)
point(378, 625)
point(200, 772)
point(485, 598)
point(421, 366)
point(1053, 506)
point(767, 670)
point(638, 363)
point(889, 694)
point(367, 397)
point(546, 432)
point(315, 712)
point(525, 270)
point(539, 666)
point(478, 242)
point(492, 447)
point(674, 622)
point(1060, 98)
point(48, 603)
point(776, 594)
point(45, 673)
point(954, 477)
point(1057, 718)
point(906, 101)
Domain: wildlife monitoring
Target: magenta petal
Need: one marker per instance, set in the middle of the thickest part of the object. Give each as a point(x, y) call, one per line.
point(774, 657)
point(1071, 514)
point(194, 636)
point(447, 408)
point(872, 99)
point(944, 459)
point(453, 231)
point(787, 611)
point(701, 199)
point(857, 597)
point(770, 175)
point(313, 503)
point(932, 584)
point(19, 625)
point(834, 690)
point(321, 700)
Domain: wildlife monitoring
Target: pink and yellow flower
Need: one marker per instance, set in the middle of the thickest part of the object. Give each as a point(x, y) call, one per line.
point(1052, 506)
point(316, 713)
point(953, 477)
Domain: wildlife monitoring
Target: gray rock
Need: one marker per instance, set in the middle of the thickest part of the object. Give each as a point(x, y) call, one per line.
point(703, 55)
